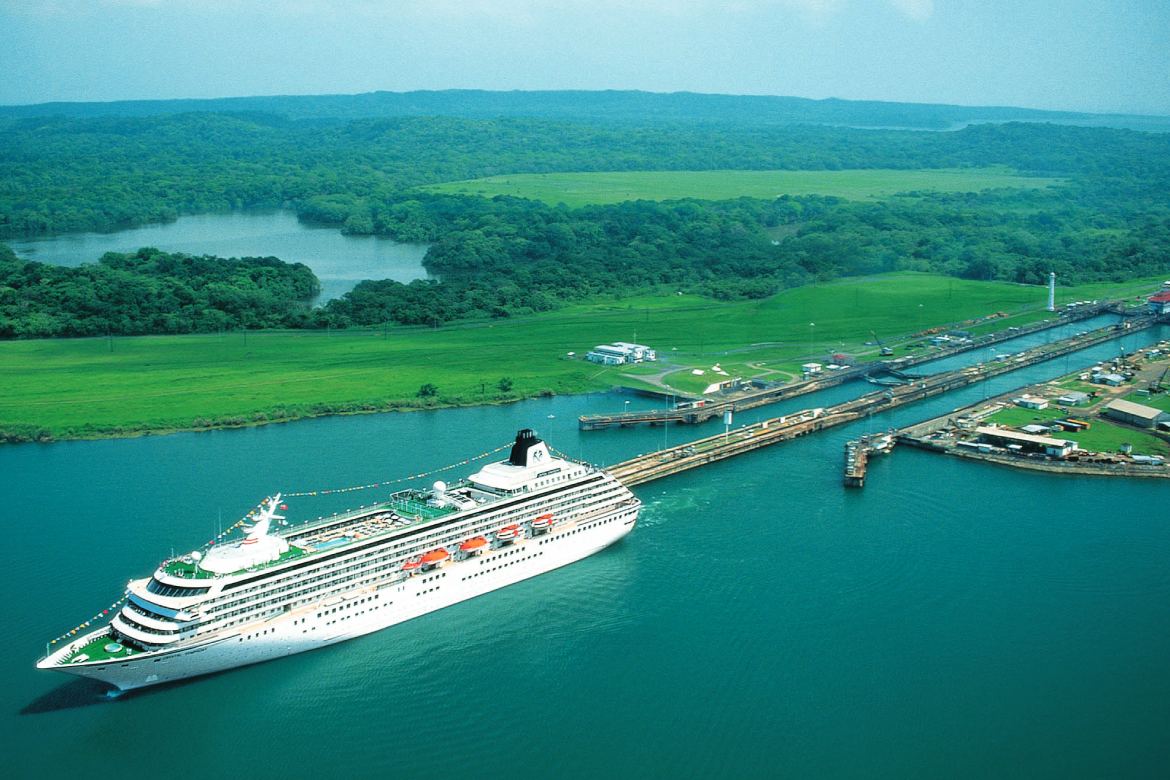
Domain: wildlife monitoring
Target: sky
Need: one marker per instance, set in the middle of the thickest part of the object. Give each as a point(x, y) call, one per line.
point(1082, 55)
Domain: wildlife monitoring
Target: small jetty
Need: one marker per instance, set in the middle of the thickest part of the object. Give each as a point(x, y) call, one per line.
point(856, 460)
point(857, 455)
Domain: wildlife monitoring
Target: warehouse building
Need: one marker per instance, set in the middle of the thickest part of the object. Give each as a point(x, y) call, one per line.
point(1026, 442)
point(1137, 415)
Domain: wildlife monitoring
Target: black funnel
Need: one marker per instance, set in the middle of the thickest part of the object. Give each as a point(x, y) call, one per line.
point(525, 440)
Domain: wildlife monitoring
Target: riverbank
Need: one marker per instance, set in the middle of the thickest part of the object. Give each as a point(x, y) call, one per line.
point(59, 389)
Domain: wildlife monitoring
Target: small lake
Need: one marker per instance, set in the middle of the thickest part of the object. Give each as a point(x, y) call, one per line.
point(338, 260)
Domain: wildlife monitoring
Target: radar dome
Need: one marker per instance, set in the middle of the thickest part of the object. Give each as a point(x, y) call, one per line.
point(440, 486)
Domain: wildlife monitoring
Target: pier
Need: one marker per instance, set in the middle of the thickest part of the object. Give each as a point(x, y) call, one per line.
point(694, 412)
point(856, 460)
point(683, 457)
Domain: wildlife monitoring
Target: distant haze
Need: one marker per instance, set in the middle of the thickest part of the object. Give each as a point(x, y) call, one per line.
point(1080, 55)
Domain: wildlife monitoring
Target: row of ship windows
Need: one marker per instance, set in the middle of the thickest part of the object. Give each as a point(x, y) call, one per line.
point(344, 607)
point(305, 585)
point(502, 565)
point(347, 617)
point(146, 630)
point(504, 554)
point(177, 591)
point(421, 542)
point(288, 594)
point(427, 579)
point(296, 583)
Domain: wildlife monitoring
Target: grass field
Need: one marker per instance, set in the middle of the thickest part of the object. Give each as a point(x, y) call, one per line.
point(1103, 436)
point(93, 387)
point(579, 189)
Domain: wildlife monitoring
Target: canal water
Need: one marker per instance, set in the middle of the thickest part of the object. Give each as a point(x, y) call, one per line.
point(338, 260)
point(951, 619)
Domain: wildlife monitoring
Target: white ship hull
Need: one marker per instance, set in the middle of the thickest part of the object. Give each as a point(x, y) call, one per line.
point(359, 612)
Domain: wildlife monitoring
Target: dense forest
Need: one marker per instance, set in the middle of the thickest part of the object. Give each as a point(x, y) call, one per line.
point(150, 292)
point(497, 257)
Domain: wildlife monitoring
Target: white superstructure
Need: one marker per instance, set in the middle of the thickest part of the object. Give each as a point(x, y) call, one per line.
point(278, 592)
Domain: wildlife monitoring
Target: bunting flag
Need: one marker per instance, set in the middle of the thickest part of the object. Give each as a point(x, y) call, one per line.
point(87, 623)
point(384, 483)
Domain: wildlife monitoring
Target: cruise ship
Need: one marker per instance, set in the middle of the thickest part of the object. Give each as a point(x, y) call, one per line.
point(284, 589)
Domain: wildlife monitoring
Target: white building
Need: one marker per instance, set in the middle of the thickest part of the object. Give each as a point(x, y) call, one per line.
point(607, 355)
point(620, 352)
point(636, 353)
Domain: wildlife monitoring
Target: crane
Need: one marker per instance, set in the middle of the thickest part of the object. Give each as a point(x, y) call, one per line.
point(885, 351)
point(1160, 385)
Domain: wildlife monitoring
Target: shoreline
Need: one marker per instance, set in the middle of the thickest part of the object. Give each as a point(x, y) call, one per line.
point(1070, 468)
point(10, 438)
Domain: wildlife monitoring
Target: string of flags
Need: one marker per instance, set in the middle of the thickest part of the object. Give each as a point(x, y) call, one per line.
point(384, 483)
point(86, 624)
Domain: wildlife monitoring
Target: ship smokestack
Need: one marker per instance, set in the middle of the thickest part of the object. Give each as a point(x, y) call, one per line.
point(525, 441)
point(1051, 291)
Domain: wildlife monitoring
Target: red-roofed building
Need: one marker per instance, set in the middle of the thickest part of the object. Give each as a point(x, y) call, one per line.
point(1160, 303)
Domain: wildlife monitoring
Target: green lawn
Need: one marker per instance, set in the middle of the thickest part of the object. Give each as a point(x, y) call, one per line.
point(1102, 436)
point(579, 189)
point(1156, 400)
point(93, 387)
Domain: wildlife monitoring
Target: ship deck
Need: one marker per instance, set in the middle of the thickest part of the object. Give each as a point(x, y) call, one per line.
point(101, 648)
point(188, 569)
point(402, 510)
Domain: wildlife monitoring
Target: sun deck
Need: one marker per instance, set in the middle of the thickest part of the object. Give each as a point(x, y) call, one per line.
point(188, 569)
point(402, 510)
point(101, 648)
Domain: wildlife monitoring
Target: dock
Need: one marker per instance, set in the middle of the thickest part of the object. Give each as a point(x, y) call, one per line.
point(856, 460)
point(700, 452)
point(694, 412)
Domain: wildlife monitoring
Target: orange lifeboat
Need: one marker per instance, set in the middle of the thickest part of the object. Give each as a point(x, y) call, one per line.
point(508, 534)
point(542, 524)
point(411, 566)
point(434, 558)
point(474, 546)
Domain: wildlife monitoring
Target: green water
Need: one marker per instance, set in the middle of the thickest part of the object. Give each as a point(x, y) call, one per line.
point(951, 619)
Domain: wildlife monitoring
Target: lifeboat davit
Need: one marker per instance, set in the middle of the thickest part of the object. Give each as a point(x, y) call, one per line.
point(474, 546)
point(434, 558)
point(508, 534)
point(410, 567)
point(542, 524)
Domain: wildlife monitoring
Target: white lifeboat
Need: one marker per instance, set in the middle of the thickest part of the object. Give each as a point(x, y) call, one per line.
point(508, 534)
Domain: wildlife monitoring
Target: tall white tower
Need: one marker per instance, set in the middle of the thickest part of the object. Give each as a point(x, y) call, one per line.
point(1051, 291)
